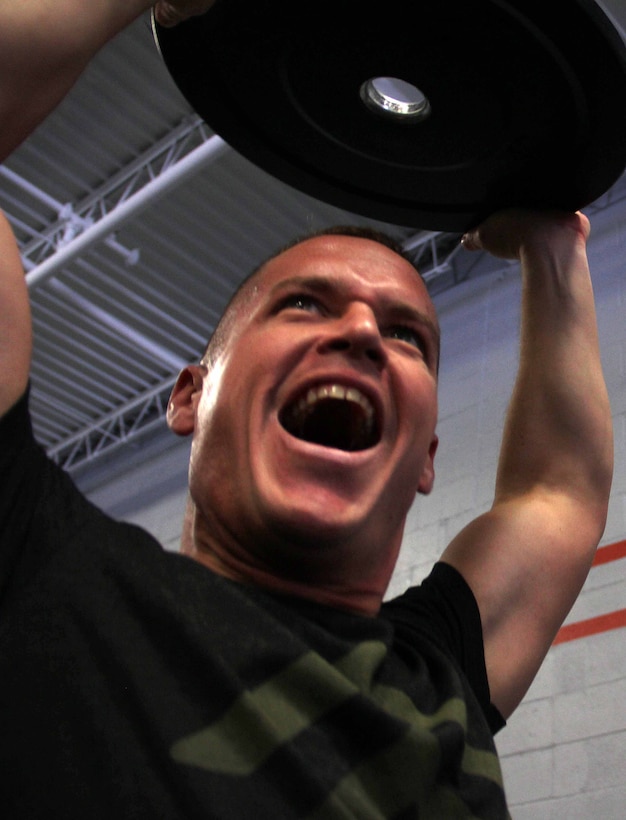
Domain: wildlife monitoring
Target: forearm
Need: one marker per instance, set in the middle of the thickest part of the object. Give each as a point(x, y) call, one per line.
point(558, 430)
point(44, 47)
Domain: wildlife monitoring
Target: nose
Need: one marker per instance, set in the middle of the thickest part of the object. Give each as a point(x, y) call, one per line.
point(356, 332)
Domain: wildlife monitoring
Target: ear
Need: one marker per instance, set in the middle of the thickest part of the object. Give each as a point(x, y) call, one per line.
point(428, 474)
point(181, 409)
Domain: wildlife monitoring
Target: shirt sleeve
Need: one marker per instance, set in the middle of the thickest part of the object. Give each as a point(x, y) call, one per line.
point(39, 504)
point(443, 608)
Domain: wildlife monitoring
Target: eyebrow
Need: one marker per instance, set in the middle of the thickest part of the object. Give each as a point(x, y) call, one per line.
point(399, 311)
point(317, 284)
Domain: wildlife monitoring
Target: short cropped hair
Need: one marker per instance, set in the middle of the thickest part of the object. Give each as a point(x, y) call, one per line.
point(222, 331)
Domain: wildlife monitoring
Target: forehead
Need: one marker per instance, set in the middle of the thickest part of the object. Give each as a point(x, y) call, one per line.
point(360, 267)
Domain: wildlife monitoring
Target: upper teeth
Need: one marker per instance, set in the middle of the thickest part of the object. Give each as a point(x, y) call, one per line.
point(337, 391)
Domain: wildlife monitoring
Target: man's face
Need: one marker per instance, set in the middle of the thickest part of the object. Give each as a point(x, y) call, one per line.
point(316, 427)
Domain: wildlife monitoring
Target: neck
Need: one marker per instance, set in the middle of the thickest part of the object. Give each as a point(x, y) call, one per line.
point(323, 581)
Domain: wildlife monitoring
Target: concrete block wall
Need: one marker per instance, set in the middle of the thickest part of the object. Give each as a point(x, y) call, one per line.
point(563, 751)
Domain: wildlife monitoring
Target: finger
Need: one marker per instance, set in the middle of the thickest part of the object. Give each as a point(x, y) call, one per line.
point(471, 241)
point(169, 13)
point(166, 15)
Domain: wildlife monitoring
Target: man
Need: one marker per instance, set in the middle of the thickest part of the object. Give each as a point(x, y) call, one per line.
point(258, 673)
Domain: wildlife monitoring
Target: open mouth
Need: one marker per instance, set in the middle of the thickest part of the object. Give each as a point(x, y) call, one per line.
point(333, 416)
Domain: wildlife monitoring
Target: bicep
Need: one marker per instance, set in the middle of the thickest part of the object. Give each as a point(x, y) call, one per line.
point(15, 321)
point(525, 561)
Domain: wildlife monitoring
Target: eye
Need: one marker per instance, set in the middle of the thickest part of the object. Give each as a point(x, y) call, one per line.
point(408, 335)
point(301, 301)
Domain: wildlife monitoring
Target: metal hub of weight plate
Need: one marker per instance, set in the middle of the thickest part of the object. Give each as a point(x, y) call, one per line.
point(429, 115)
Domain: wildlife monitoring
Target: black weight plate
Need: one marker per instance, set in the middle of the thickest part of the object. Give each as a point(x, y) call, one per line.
point(527, 101)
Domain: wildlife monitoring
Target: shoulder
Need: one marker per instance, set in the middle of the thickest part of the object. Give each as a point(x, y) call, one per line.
point(442, 615)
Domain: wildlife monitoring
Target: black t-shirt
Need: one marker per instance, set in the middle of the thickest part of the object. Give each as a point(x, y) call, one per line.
point(134, 683)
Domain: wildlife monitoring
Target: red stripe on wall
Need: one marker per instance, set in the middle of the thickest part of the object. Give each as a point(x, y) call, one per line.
point(610, 553)
point(582, 629)
point(601, 623)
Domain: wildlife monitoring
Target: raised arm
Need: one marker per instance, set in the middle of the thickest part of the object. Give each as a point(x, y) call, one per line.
point(527, 558)
point(46, 44)
point(15, 326)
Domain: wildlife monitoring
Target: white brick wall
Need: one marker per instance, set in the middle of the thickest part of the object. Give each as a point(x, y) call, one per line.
point(563, 751)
